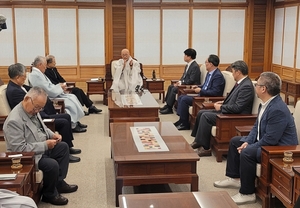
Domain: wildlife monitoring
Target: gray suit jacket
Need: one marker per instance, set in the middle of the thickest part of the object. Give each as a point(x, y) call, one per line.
point(21, 134)
point(192, 77)
point(240, 99)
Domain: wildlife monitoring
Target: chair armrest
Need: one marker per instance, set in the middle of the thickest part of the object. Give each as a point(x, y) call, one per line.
point(208, 105)
point(59, 104)
point(2, 120)
point(70, 84)
point(189, 91)
point(236, 116)
point(174, 81)
point(50, 123)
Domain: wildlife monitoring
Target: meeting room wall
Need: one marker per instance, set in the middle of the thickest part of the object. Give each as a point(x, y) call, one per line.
point(79, 33)
point(286, 43)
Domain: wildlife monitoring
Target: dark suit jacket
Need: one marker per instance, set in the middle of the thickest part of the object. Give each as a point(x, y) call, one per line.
point(54, 76)
point(277, 126)
point(215, 86)
point(192, 77)
point(15, 94)
point(240, 99)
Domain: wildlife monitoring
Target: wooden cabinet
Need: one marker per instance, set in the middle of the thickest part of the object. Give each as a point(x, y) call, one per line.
point(292, 89)
point(96, 87)
point(156, 86)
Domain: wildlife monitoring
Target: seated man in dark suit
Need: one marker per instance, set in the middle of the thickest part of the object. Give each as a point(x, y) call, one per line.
point(238, 101)
point(24, 131)
point(274, 126)
point(55, 77)
point(213, 86)
point(190, 76)
point(15, 93)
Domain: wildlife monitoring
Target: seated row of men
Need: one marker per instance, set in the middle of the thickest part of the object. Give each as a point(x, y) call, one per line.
point(25, 131)
point(274, 125)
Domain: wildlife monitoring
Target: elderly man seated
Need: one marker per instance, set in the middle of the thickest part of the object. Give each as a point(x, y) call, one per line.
point(24, 131)
point(38, 78)
point(128, 74)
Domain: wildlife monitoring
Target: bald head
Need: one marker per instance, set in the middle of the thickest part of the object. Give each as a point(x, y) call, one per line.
point(125, 54)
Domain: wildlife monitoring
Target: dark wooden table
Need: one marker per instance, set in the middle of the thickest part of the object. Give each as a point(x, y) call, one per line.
point(148, 111)
point(212, 199)
point(290, 88)
point(133, 168)
point(282, 182)
point(96, 87)
point(156, 86)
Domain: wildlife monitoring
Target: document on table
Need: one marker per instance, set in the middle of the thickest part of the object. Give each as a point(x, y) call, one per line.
point(4, 177)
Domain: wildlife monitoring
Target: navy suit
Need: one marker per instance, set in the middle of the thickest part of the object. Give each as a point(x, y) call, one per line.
point(239, 101)
point(191, 77)
point(276, 127)
point(15, 94)
point(214, 88)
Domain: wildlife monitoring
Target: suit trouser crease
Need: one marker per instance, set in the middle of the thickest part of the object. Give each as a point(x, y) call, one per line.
point(54, 164)
point(206, 122)
point(81, 96)
point(242, 165)
point(184, 102)
point(171, 95)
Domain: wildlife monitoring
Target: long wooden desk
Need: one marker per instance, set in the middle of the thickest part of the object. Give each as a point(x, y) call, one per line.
point(133, 168)
point(148, 111)
point(211, 199)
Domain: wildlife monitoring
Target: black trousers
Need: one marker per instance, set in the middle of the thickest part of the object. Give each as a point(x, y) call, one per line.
point(82, 97)
point(243, 165)
point(171, 95)
point(54, 164)
point(63, 127)
point(205, 120)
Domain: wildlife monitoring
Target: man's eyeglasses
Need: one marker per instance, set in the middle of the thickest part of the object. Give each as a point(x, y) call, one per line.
point(260, 85)
point(35, 108)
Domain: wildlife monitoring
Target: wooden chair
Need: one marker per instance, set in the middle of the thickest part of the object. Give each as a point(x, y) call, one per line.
point(197, 101)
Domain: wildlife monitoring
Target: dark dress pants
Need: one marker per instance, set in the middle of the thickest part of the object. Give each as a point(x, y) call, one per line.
point(184, 102)
point(243, 165)
point(64, 127)
point(54, 164)
point(82, 97)
point(205, 120)
point(171, 95)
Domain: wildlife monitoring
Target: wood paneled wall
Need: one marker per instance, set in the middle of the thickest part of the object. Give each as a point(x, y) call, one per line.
point(118, 35)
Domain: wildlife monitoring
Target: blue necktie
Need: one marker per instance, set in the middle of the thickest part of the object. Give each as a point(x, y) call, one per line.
point(206, 81)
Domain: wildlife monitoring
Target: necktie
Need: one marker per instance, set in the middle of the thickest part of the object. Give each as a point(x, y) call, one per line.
point(206, 81)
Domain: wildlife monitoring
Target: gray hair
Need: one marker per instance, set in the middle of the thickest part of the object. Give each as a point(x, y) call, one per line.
point(35, 92)
point(272, 82)
point(50, 58)
point(38, 60)
point(240, 66)
point(15, 70)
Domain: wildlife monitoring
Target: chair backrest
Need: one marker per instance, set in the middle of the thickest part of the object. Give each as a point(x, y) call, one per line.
point(229, 82)
point(4, 109)
point(203, 73)
point(256, 101)
point(296, 115)
point(113, 67)
point(26, 80)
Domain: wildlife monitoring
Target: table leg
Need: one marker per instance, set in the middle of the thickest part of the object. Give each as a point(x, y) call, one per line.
point(119, 186)
point(163, 98)
point(195, 183)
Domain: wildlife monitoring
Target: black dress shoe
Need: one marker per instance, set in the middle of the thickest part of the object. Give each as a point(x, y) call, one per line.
point(177, 123)
point(194, 145)
point(67, 188)
point(77, 129)
point(93, 109)
point(166, 111)
point(74, 151)
point(86, 113)
point(73, 159)
point(163, 108)
point(81, 125)
point(57, 200)
point(182, 127)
